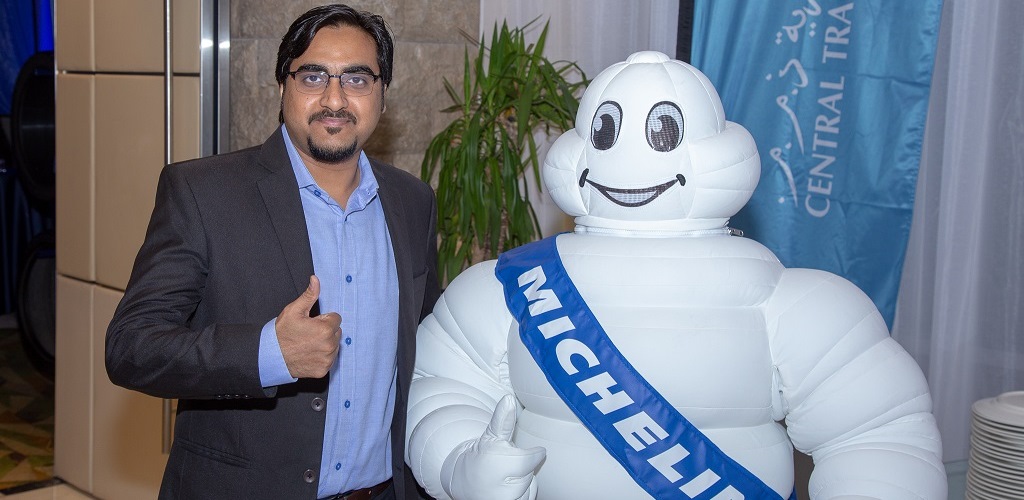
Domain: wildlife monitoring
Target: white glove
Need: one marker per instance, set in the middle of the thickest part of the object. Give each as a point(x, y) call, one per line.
point(491, 467)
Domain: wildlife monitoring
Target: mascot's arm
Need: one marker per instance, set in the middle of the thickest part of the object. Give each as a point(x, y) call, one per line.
point(853, 398)
point(458, 435)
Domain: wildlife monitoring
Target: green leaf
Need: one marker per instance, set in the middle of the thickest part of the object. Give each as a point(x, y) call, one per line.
point(510, 91)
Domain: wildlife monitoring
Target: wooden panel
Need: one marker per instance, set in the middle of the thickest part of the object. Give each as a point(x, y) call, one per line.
point(127, 461)
point(185, 35)
point(186, 140)
point(129, 35)
point(129, 156)
point(73, 35)
point(72, 459)
point(75, 176)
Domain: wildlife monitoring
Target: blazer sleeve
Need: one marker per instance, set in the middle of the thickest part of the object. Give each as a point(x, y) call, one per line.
point(432, 288)
point(151, 346)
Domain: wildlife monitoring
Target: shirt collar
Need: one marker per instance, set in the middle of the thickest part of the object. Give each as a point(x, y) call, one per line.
point(363, 194)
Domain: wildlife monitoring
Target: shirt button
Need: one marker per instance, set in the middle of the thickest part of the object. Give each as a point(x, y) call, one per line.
point(308, 476)
point(348, 279)
point(348, 340)
point(317, 404)
point(347, 403)
point(316, 192)
point(337, 466)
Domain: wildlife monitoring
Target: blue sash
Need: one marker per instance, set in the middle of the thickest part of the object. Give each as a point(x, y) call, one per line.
point(663, 452)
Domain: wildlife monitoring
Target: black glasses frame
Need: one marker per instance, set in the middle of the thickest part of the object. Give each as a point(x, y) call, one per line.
point(329, 76)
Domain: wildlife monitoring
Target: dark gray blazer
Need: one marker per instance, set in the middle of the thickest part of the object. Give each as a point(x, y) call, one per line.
point(225, 251)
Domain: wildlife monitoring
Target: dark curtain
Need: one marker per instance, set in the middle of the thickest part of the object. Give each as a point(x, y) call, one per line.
point(684, 39)
point(26, 27)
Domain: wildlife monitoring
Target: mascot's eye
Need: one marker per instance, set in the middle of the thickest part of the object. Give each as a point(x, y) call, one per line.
point(664, 127)
point(607, 122)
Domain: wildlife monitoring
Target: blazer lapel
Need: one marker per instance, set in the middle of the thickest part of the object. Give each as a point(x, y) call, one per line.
point(280, 193)
point(394, 215)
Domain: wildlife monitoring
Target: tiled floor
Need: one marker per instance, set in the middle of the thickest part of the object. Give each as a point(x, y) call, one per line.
point(58, 492)
point(26, 416)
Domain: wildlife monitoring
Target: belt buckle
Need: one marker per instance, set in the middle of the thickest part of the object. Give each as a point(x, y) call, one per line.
point(350, 494)
point(369, 492)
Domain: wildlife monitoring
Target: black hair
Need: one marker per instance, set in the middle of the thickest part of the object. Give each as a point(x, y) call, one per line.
point(301, 33)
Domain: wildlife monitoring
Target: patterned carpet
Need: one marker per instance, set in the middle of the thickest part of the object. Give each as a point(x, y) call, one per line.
point(26, 417)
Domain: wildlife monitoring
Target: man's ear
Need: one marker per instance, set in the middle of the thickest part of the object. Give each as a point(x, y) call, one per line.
point(280, 90)
point(383, 100)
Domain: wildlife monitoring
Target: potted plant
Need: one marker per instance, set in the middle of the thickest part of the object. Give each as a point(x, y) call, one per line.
point(510, 92)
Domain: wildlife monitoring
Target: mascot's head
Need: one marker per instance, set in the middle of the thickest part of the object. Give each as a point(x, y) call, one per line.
point(651, 150)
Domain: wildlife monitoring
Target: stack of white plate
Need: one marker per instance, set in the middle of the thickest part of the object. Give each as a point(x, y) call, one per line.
point(996, 465)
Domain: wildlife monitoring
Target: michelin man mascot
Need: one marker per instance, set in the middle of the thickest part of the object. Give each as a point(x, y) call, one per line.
point(651, 353)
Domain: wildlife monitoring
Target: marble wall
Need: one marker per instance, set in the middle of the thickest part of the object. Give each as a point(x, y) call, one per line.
point(428, 48)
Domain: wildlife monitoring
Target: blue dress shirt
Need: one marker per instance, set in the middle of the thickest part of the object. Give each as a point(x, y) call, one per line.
point(353, 258)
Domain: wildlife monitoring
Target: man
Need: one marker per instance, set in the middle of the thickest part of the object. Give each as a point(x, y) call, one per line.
point(279, 288)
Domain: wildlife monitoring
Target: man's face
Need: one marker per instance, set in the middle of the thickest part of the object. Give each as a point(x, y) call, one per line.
point(332, 127)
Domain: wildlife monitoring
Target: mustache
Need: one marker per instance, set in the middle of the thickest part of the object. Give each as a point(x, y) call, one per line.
point(341, 113)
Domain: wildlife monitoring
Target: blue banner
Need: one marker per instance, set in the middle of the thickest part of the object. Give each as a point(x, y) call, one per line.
point(835, 93)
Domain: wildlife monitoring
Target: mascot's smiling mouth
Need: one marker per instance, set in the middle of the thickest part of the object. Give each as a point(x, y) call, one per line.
point(632, 197)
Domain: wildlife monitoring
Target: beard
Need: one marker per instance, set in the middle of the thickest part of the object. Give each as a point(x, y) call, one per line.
point(326, 154)
point(330, 155)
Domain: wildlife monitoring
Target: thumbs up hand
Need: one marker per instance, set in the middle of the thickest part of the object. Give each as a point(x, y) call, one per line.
point(309, 345)
point(491, 466)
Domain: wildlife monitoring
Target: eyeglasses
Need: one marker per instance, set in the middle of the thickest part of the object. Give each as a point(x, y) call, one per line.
point(314, 82)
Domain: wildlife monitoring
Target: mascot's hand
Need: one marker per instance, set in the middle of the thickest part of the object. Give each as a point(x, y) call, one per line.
point(491, 467)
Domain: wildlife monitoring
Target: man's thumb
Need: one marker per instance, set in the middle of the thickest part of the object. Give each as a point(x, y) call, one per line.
point(310, 295)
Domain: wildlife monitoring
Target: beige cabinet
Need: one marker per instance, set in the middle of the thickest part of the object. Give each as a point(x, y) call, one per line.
point(72, 420)
point(73, 42)
point(187, 40)
point(114, 92)
point(75, 203)
point(186, 113)
point(129, 137)
point(107, 439)
point(127, 459)
point(128, 35)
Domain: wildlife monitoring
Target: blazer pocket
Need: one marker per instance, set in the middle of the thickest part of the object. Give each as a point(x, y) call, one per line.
point(212, 454)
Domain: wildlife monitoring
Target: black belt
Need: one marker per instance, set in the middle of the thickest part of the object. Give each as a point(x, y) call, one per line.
point(362, 493)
